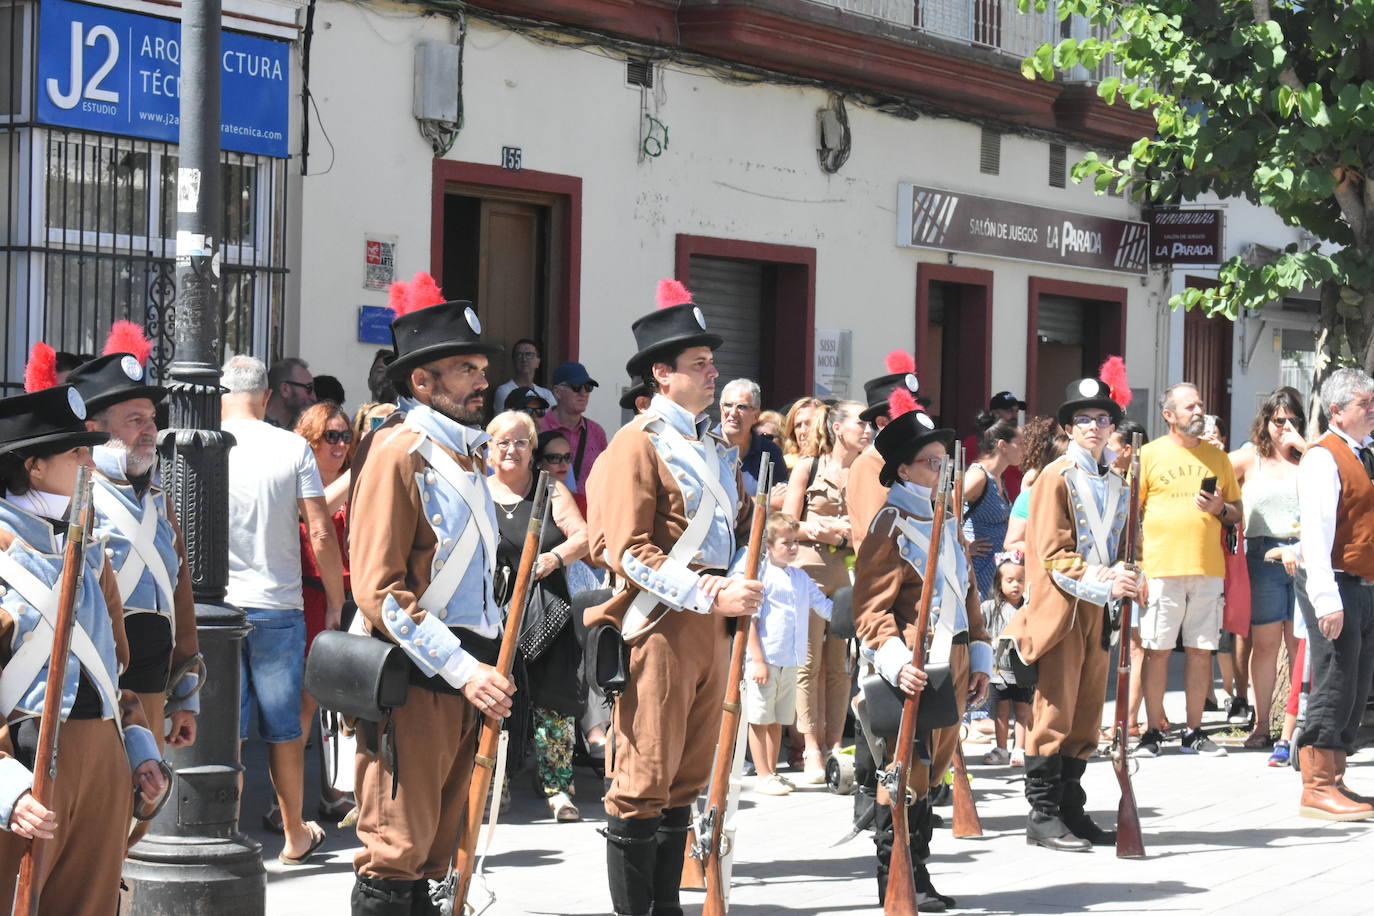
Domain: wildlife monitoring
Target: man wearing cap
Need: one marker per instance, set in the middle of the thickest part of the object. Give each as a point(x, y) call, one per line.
point(887, 593)
point(1078, 510)
point(423, 549)
point(528, 400)
point(572, 387)
point(142, 539)
point(665, 507)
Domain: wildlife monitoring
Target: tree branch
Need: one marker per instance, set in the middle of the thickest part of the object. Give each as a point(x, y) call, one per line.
point(1288, 76)
point(1353, 208)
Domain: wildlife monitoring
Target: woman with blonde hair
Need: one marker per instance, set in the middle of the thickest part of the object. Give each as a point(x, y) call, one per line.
point(797, 427)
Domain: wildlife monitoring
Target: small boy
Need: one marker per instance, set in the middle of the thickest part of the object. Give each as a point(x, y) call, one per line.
point(777, 648)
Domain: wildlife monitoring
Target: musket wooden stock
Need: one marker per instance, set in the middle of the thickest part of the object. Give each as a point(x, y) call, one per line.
point(1130, 843)
point(966, 821)
point(717, 802)
point(45, 760)
point(489, 739)
point(900, 899)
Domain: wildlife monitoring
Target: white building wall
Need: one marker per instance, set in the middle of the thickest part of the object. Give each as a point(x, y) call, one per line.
point(741, 164)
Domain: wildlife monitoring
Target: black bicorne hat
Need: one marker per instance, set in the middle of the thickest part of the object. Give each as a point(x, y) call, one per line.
point(112, 378)
point(879, 389)
point(665, 331)
point(434, 332)
point(633, 393)
point(903, 438)
point(1088, 392)
point(45, 422)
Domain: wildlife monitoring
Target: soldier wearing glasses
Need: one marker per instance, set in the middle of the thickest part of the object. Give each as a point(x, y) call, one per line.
point(1078, 511)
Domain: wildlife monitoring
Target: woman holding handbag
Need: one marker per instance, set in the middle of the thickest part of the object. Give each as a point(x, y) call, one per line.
point(548, 640)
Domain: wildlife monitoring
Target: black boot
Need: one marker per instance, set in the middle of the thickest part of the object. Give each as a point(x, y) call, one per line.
point(1071, 806)
point(927, 900)
point(421, 904)
point(381, 897)
point(1045, 791)
point(671, 847)
point(630, 856)
point(922, 829)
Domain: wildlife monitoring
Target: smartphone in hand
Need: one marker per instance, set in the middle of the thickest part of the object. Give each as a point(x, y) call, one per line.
point(1209, 484)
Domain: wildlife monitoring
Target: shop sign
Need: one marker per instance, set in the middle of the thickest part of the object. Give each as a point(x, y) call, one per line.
point(117, 72)
point(951, 221)
point(1186, 236)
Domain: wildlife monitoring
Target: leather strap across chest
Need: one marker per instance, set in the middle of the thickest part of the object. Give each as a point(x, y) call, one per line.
point(1099, 522)
point(479, 529)
point(143, 553)
point(949, 572)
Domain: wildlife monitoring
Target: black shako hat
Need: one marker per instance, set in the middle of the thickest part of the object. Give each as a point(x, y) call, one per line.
point(112, 378)
point(434, 332)
point(666, 331)
point(1088, 392)
point(45, 422)
point(633, 393)
point(879, 389)
point(903, 437)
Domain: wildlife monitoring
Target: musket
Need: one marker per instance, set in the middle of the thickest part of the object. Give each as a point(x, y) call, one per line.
point(713, 844)
point(459, 880)
point(966, 821)
point(1129, 842)
point(901, 883)
point(45, 761)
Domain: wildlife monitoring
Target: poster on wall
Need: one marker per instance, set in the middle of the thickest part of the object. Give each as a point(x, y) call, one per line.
point(116, 72)
point(379, 261)
point(832, 362)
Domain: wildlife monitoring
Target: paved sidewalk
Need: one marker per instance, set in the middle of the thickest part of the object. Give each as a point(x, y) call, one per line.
point(1222, 835)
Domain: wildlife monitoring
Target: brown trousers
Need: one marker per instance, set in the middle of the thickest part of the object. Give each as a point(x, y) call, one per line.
point(155, 711)
point(413, 836)
point(93, 800)
point(944, 740)
point(667, 721)
point(822, 683)
point(1072, 687)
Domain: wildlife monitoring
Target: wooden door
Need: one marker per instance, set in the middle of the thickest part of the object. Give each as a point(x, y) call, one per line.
point(1207, 360)
point(509, 278)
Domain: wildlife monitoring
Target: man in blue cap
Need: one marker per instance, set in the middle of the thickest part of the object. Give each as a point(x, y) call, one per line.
point(572, 388)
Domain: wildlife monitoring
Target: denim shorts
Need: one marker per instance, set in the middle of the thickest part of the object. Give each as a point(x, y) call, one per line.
point(271, 666)
point(1273, 594)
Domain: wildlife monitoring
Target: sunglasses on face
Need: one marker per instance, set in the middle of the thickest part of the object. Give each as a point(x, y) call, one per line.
point(1284, 421)
point(1101, 422)
point(337, 436)
point(308, 386)
point(771, 437)
point(581, 389)
point(556, 457)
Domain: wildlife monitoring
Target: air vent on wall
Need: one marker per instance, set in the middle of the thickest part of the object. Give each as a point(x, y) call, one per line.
point(639, 73)
point(990, 152)
point(1058, 165)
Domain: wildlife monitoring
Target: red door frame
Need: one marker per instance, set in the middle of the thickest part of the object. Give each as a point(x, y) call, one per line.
point(568, 281)
point(980, 327)
point(1111, 331)
point(784, 377)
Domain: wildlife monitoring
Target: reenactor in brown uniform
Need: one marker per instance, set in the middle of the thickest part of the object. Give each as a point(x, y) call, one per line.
point(665, 505)
point(887, 591)
point(864, 493)
point(423, 548)
point(1078, 510)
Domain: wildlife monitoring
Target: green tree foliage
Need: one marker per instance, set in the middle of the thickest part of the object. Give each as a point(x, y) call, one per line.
point(1270, 101)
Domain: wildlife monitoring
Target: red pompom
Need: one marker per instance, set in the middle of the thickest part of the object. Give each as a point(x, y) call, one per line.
point(127, 337)
point(900, 401)
point(671, 293)
point(1113, 373)
point(421, 292)
point(900, 361)
point(41, 372)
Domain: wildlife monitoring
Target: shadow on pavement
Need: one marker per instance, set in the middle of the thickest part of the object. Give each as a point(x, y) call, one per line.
point(1129, 897)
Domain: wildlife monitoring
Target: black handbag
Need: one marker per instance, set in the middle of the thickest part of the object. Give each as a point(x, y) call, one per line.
point(939, 707)
point(357, 676)
point(842, 613)
point(546, 614)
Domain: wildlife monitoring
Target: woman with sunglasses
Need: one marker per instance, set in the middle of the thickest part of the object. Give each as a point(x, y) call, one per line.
point(326, 427)
point(553, 684)
point(1267, 470)
point(553, 453)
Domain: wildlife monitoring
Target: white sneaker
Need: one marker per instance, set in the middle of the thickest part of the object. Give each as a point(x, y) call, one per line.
point(772, 784)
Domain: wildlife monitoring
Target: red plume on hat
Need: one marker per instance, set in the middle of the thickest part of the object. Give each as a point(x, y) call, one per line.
point(901, 400)
point(41, 371)
point(421, 292)
point(671, 293)
point(128, 337)
point(901, 361)
point(1113, 374)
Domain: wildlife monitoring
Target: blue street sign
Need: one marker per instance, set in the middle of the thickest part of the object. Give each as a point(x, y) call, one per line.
point(374, 324)
point(117, 72)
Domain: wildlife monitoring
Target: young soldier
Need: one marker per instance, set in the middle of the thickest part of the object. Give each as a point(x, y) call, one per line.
point(422, 543)
point(1078, 510)
point(864, 495)
point(665, 501)
point(887, 592)
point(142, 540)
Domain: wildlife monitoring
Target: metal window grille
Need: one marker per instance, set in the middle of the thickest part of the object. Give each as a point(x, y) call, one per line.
point(1059, 168)
point(639, 73)
point(990, 152)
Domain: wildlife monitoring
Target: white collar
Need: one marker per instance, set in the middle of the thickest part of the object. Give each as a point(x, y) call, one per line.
point(41, 503)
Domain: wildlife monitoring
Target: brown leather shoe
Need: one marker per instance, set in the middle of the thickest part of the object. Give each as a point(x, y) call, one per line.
point(1342, 787)
point(1321, 799)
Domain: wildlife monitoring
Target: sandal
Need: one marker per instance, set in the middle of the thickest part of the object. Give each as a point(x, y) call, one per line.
point(1258, 741)
point(562, 808)
point(316, 841)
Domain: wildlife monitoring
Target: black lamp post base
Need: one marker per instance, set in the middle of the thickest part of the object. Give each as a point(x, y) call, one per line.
point(195, 876)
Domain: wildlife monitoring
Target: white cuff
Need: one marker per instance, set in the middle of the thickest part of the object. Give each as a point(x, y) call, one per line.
point(891, 657)
point(459, 668)
point(672, 583)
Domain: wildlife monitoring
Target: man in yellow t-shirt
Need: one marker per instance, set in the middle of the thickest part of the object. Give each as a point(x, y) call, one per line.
point(1189, 492)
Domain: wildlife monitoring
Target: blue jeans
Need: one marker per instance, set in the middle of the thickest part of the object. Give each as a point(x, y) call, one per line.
point(271, 666)
point(1273, 596)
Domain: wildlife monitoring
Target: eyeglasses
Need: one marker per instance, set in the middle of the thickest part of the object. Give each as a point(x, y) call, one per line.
point(1284, 421)
point(308, 386)
point(518, 445)
point(1101, 422)
point(534, 411)
point(728, 407)
point(337, 436)
point(584, 388)
point(556, 457)
point(932, 463)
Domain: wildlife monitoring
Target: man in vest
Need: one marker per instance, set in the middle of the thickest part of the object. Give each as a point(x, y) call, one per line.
point(1079, 508)
point(422, 542)
point(143, 542)
point(1336, 502)
point(665, 507)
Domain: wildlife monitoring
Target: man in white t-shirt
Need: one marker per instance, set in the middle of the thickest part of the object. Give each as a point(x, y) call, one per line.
point(273, 484)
